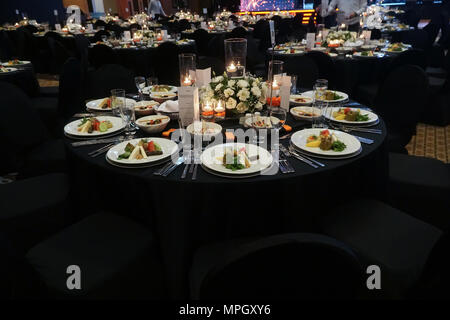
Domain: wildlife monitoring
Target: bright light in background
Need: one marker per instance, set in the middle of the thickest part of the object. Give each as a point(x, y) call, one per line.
point(271, 5)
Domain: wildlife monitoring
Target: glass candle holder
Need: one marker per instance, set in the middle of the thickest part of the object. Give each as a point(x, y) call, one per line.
point(235, 57)
point(187, 63)
point(274, 80)
point(207, 110)
point(219, 110)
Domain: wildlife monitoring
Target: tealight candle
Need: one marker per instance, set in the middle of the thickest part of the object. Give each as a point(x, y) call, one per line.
point(231, 68)
point(187, 81)
point(275, 85)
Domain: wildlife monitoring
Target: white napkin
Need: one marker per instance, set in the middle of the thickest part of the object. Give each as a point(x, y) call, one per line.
point(169, 107)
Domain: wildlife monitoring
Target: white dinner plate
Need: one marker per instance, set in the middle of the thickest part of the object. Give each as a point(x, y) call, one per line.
point(9, 70)
point(299, 139)
point(293, 98)
point(273, 120)
point(342, 94)
point(295, 112)
point(6, 64)
point(215, 129)
point(212, 157)
point(168, 148)
point(145, 165)
point(71, 129)
point(308, 154)
point(372, 116)
point(94, 105)
point(375, 55)
point(147, 90)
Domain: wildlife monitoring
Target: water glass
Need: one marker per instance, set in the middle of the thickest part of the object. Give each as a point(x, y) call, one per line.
point(318, 122)
point(294, 80)
point(117, 100)
point(280, 114)
point(320, 89)
point(140, 85)
point(128, 116)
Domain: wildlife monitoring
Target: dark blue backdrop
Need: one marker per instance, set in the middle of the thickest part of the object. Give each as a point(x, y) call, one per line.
point(41, 10)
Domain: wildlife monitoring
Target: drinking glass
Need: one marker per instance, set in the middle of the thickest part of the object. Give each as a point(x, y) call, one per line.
point(128, 116)
point(152, 81)
point(140, 85)
point(117, 100)
point(294, 80)
point(317, 122)
point(280, 114)
point(320, 89)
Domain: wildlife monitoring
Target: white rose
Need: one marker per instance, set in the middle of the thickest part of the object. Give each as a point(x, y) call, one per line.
point(208, 94)
point(218, 79)
point(259, 106)
point(242, 84)
point(256, 82)
point(231, 103)
point(219, 86)
point(231, 83)
point(242, 107)
point(256, 92)
point(243, 94)
point(228, 92)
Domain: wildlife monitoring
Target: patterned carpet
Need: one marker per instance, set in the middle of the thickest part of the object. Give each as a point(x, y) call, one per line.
point(430, 141)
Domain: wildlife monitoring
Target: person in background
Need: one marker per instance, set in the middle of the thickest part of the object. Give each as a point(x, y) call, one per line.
point(155, 9)
point(349, 12)
point(322, 10)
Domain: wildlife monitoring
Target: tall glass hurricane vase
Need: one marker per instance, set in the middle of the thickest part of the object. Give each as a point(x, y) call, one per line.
point(235, 57)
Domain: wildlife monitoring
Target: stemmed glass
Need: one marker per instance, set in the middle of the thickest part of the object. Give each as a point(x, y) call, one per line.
point(280, 114)
point(320, 89)
point(128, 116)
point(140, 85)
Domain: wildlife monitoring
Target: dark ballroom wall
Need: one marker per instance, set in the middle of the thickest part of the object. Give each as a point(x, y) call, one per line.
point(40, 9)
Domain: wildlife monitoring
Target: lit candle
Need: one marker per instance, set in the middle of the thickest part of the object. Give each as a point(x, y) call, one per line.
point(275, 85)
point(219, 107)
point(187, 81)
point(231, 67)
point(343, 26)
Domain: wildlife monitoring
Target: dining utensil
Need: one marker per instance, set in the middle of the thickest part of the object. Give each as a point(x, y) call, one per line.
point(364, 140)
point(357, 129)
point(175, 165)
point(99, 151)
point(97, 141)
point(291, 149)
point(302, 159)
point(163, 169)
point(286, 136)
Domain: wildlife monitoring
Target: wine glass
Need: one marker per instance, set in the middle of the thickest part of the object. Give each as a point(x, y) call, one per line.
point(128, 116)
point(117, 99)
point(140, 85)
point(152, 81)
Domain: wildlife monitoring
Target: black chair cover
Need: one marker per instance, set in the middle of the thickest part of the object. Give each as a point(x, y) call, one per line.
point(109, 77)
point(71, 94)
point(102, 54)
point(167, 66)
point(305, 69)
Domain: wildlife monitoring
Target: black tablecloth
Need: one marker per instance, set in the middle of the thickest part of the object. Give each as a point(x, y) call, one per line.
point(186, 214)
point(24, 78)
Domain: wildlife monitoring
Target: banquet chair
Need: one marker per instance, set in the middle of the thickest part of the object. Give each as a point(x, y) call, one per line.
point(327, 69)
point(201, 38)
point(7, 50)
point(166, 66)
point(30, 151)
point(58, 54)
point(109, 77)
point(289, 266)
point(99, 34)
point(71, 89)
point(216, 47)
point(261, 26)
point(183, 24)
point(33, 209)
point(366, 93)
point(419, 39)
point(420, 187)
point(99, 24)
point(32, 29)
point(217, 66)
point(100, 55)
point(381, 235)
point(306, 70)
point(400, 102)
point(116, 256)
point(238, 32)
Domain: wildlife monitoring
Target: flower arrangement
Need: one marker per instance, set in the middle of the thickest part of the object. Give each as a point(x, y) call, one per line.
point(239, 95)
point(338, 38)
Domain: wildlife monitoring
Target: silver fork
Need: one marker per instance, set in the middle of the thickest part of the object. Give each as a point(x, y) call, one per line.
point(286, 154)
point(99, 151)
point(188, 161)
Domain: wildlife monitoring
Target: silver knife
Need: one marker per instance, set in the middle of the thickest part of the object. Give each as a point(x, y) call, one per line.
point(299, 157)
point(96, 141)
point(179, 162)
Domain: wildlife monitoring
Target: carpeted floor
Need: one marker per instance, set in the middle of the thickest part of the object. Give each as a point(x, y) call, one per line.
point(430, 141)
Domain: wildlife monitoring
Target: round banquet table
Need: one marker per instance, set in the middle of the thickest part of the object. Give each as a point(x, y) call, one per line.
point(351, 71)
point(142, 59)
point(186, 214)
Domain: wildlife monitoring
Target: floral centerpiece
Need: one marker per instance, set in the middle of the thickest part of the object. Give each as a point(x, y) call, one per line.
point(338, 38)
point(247, 94)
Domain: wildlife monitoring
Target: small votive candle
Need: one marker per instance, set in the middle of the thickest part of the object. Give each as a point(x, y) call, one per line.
point(207, 111)
point(231, 68)
point(219, 110)
point(187, 82)
point(159, 37)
